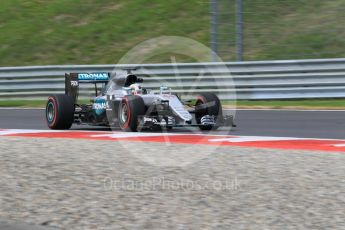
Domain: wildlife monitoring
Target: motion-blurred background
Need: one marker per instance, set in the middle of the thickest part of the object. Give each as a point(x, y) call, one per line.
point(38, 32)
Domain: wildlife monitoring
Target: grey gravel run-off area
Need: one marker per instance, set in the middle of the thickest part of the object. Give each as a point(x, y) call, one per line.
point(78, 184)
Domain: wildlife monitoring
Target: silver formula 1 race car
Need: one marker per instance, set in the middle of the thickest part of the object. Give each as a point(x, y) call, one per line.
point(123, 102)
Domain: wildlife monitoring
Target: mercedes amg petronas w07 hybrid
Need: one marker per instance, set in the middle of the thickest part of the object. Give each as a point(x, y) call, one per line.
point(123, 102)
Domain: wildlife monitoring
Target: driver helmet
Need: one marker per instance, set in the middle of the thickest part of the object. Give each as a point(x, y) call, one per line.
point(136, 89)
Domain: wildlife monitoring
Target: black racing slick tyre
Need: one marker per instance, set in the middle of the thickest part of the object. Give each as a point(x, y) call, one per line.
point(131, 108)
point(60, 111)
point(207, 104)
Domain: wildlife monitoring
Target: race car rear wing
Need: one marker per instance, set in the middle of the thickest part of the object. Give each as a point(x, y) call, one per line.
point(72, 81)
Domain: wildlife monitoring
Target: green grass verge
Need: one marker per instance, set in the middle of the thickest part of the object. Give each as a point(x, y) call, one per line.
point(276, 104)
point(102, 31)
point(22, 103)
point(324, 103)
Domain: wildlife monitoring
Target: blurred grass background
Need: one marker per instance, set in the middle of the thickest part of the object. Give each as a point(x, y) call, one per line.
point(39, 32)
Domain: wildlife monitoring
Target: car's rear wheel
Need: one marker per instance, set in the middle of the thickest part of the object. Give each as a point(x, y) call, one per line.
point(60, 111)
point(130, 109)
point(207, 104)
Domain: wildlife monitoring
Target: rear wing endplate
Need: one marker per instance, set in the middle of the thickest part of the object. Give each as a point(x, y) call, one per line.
point(72, 81)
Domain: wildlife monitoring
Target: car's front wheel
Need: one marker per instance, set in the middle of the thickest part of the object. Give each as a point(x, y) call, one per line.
point(131, 108)
point(207, 104)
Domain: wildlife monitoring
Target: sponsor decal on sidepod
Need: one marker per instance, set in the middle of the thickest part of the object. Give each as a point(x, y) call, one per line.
point(99, 106)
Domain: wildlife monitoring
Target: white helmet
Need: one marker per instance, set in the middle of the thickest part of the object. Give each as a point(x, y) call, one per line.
point(136, 88)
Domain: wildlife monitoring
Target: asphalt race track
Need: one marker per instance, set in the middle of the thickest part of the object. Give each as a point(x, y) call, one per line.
point(274, 123)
